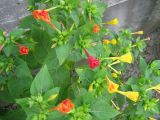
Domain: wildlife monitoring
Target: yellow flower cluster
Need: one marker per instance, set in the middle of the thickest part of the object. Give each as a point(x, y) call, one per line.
point(113, 41)
point(113, 88)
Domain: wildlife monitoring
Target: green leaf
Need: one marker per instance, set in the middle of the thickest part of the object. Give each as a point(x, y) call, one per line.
point(16, 33)
point(22, 69)
point(102, 110)
point(43, 44)
point(86, 76)
point(14, 115)
point(155, 65)
point(143, 65)
point(42, 82)
point(62, 53)
point(17, 86)
point(51, 92)
point(74, 16)
point(27, 22)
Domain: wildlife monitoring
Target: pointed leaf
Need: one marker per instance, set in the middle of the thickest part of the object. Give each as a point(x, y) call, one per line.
point(42, 82)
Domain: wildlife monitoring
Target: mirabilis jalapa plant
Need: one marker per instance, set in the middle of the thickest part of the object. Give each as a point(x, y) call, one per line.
point(43, 67)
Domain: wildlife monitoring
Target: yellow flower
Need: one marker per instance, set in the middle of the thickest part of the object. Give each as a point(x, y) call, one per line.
point(126, 57)
point(113, 42)
point(106, 42)
point(131, 95)
point(115, 21)
point(114, 75)
point(138, 33)
point(112, 87)
point(157, 88)
point(52, 97)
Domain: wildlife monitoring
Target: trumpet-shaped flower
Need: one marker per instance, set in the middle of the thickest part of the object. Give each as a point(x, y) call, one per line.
point(138, 33)
point(157, 88)
point(131, 95)
point(115, 21)
point(126, 57)
point(92, 61)
point(112, 87)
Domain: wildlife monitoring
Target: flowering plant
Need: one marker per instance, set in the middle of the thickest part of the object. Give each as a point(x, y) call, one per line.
point(63, 63)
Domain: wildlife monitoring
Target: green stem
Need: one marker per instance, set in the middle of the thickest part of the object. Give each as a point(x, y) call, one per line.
point(119, 73)
point(52, 8)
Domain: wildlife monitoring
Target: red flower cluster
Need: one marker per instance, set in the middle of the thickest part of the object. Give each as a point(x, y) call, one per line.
point(23, 50)
point(65, 106)
point(42, 15)
point(96, 28)
point(92, 61)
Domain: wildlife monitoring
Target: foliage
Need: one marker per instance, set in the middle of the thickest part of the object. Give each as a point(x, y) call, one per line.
point(43, 62)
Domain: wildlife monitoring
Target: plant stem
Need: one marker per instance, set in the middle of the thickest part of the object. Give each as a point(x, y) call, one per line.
point(119, 73)
point(52, 8)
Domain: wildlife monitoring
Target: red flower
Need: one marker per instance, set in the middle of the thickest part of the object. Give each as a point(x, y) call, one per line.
point(23, 50)
point(41, 15)
point(65, 106)
point(92, 61)
point(96, 28)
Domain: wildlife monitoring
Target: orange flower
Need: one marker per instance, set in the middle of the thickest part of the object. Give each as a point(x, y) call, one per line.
point(112, 87)
point(96, 28)
point(41, 15)
point(65, 106)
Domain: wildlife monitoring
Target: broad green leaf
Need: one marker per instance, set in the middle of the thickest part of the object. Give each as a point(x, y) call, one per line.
point(17, 114)
point(51, 93)
point(74, 16)
point(16, 33)
point(86, 76)
point(143, 65)
point(102, 110)
point(51, 60)
point(27, 22)
point(22, 69)
point(155, 65)
point(42, 82)
point(18, 87)
point(43, 44)
point(62, 53)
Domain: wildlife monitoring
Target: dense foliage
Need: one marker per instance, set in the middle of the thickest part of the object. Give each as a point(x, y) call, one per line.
point(63, 63)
